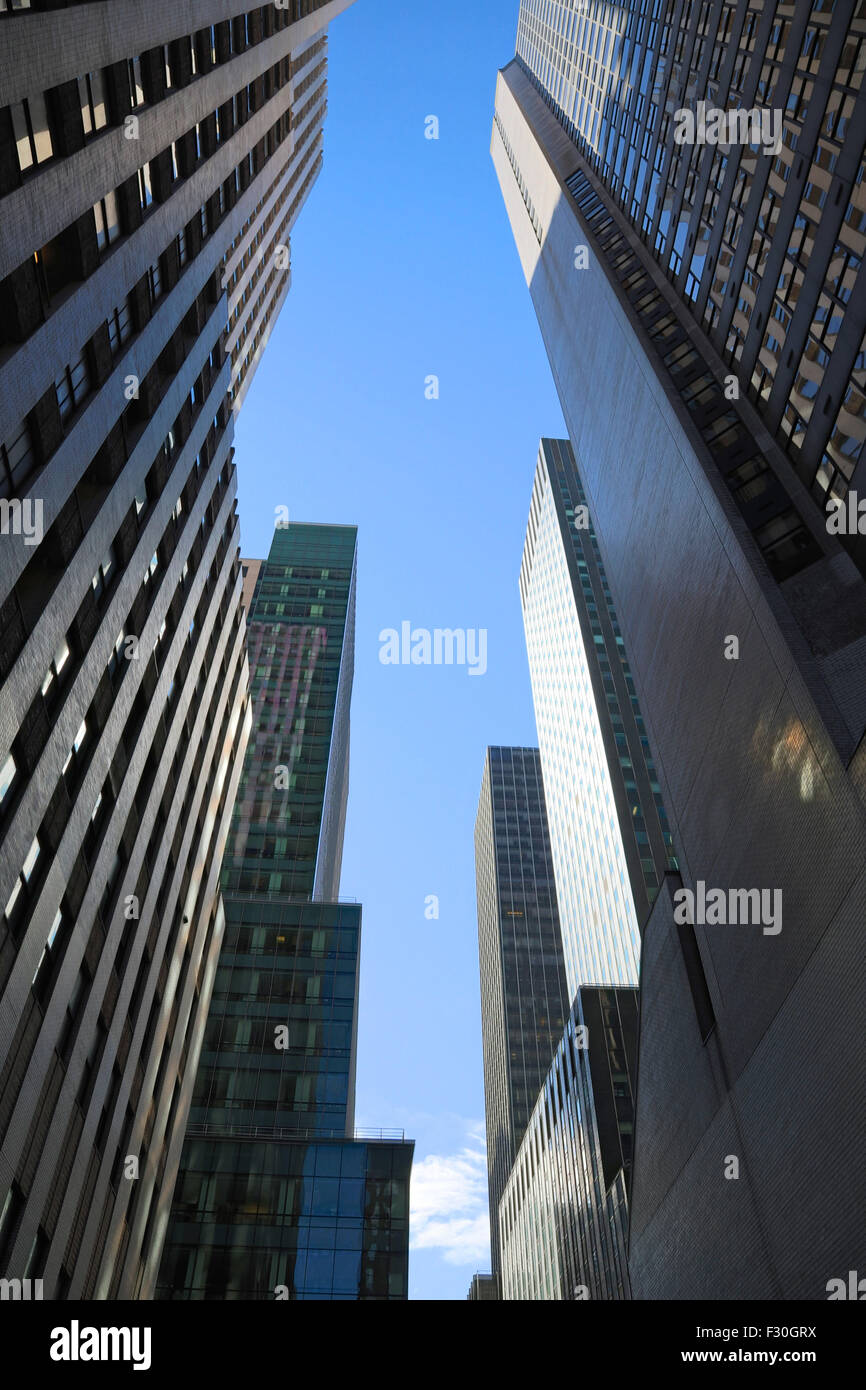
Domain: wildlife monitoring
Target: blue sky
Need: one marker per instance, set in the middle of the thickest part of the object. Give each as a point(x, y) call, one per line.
point(403, 266)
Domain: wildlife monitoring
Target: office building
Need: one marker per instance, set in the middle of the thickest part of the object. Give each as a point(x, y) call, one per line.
point(149, 175)
point(563, 1217)
point(483, 1289)
point(609, 834)
point(702, 309)
point(764, 249)
point(278, 1197)
point(290, 813)
point(564, 1212)
point(524, 994)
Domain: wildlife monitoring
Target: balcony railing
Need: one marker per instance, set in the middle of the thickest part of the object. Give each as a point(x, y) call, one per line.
point(202, 1130)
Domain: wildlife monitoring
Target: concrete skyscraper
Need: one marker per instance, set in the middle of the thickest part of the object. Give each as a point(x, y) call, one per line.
point(702, 305)
point(524, 994)
point(149, 177)
point(278, 1197)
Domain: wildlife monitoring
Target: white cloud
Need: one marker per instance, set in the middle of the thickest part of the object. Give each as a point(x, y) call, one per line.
point(449, 1204)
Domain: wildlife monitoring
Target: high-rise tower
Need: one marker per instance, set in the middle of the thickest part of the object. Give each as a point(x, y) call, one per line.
point(701, 304)
point(609, 833)
point(563, 1215)
point(290, 814)
point(277, 1195)
point(150, 173)
point(524, 995)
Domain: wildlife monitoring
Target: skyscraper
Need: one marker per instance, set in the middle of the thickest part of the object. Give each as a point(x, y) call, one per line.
point(564, 1212)
point(761, 238)
point(708, 441)
point(277, 1196)
point(609, 833)
point(483, 1289)
point(563, 1216)
point(301, 642)
point(149, 178)
point(524, 995)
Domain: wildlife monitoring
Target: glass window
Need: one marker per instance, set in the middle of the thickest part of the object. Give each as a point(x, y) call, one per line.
point(52, 935)
point(94, 110)
point(119, 327)
point(31, 131)
point(17, 457)
point(107, 220)
point(7, 776)
point(136, 89)
point(145, 192)
point(30, 861)
point(61, 656)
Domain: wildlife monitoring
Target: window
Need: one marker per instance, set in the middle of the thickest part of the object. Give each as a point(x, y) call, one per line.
point(145, 192)
point(7, 777)
point(107, 221)
point(100, 580)
point(94, 110)
point(72, 757)
point(17, 461)
point(46, 949)
point(61, 657)
point(136, 89)
point(114, 664)
point(72, 386)
point(23, 878)
point(119, 327)
point(32, 133)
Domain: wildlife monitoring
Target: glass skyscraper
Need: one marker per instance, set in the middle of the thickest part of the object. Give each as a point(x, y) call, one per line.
point(702, 306)
point(290, 812)
point(609, 834)
point(524, 995)
point(564, 1212)
point(765, 250)
point(277, 1197)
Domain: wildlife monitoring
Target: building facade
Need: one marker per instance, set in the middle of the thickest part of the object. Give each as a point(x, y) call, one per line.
point(762, 238)
point(564, 1213)
point(149, 175)
point(277, 1197)
point(524, 994)
point(743, 612)
point(290, 814)
point(483, 1289)
point(609, 833)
